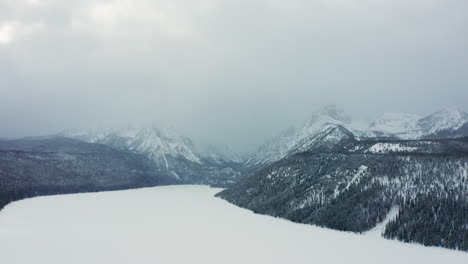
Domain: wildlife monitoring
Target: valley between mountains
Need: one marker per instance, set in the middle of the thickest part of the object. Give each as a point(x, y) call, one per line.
point(404, 173)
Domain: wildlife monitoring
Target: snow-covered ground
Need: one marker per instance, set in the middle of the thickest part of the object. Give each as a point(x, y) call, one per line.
point(382, 148)
point(182, 224)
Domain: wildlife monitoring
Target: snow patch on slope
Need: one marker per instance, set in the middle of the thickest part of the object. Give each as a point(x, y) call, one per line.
point(395, 123)
point(313, 127)
point(448, 119)
point(407, 126)
point(382, 148)
point(160, 144)
point(273, 150)
point(379, 229)
point(219, 155)
point(362, 170)
point(294, 141)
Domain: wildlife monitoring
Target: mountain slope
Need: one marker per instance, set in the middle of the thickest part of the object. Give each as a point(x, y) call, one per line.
point(219, 155)
point(447, 123)
point(326, 138)
point(325, 129)
point(394, 124)
point(272, 150)
point(173, 153)
point(54, 165)
point(354, 187)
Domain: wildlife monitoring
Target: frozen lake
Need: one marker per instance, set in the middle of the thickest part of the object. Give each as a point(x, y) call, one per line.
point(182, 224)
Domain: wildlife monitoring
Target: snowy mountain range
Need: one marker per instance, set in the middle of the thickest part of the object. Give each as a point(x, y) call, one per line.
point(447, 123)
point(394, 123)
point(56, 165)
point(331, 126)
point(326, 131)
point(325, 128)
point(327, 172)
point(173, 153)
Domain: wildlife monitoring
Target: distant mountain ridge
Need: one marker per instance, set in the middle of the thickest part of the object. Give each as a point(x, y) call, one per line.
point(331, 125)
point(327, 172)
point(330, 174)
point(394, 123)
point(324, 129)
point(354, 187)
point(56, 165)
point(173, 153)
point(447, 123)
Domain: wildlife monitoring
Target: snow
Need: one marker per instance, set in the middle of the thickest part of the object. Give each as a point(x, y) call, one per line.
point(408, 126)
point(176, 175)
point(380, 228)
point(158, 143)
point(362, 170)
point(273, 150)
point(162, 143)
point(356, 178)
point(293, 141)
point(450, 118)
point(394, 123)
point(182, 224)
point(219, 154)
point(390, 147)
point(313, 127)
point(356, 148)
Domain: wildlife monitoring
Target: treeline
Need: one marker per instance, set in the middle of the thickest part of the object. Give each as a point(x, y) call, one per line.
point(356, 210)
point(355, 192)
point(8, 196)
point(432, 221)
point(30, 174)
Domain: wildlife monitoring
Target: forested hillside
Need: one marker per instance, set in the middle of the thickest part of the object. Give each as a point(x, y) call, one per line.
point(58, 165)
point(354, 191)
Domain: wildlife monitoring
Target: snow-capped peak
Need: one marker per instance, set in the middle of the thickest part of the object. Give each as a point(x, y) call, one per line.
point(160, 143)
point(220, 155)
point(335, 113)
point(395, 123)
point(165, 145)
point(448, 119)
point(325, 136)
point(444, 123)
point(157, 143)
point(329, 115)
point(274, 149)
point(325, 127)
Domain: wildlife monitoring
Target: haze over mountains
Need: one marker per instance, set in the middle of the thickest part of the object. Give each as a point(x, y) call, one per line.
point(327, 129)
point(173, 153)
point(328, 172)
point(107, 95)
point(189, 162)
point(332, 175)
point(331, 125)
point(167, 140)
point(232, 72)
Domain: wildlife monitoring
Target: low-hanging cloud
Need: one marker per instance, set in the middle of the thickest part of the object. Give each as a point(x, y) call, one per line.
point(222, 71)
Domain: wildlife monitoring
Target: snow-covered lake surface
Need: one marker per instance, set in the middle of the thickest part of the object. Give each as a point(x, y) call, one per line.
point(182, 224)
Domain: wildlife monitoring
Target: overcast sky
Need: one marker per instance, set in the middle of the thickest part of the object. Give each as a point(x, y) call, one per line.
point(225, 71)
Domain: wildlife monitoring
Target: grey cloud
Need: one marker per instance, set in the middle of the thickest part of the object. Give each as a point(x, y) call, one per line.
point(233, 72)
